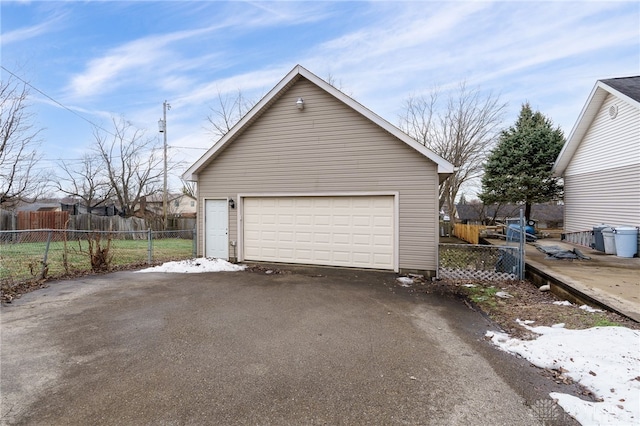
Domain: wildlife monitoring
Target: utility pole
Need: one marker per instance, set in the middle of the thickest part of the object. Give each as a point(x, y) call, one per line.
point(162, 127)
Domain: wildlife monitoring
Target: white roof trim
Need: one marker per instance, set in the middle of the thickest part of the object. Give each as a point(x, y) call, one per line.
point(444, 167)
point(582, 125)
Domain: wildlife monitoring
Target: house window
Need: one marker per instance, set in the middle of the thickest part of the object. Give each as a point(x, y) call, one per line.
point(176, 203)
point(193, 204)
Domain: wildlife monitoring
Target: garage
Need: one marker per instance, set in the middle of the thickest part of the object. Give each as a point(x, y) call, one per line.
point(310, 176)
point(354, 231)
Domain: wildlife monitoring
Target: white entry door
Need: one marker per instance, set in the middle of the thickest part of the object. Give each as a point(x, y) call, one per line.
point(216, 229)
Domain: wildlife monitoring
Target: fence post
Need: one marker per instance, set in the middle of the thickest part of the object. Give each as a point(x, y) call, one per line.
point(521, 245)
point(150, 241)
point(43, 272)
point(195, 243)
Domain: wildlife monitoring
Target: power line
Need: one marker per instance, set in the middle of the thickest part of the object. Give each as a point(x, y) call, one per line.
point(55, 101)
point(77, 114)
point(186, 147)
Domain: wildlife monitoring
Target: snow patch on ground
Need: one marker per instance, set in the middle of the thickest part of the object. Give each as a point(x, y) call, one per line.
point(583, 307)
point(194, 266)
point(590, 309)
point(405, 281)
point(605, 360)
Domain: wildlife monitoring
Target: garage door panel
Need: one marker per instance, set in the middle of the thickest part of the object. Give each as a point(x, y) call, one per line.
point(362, 239)
point(341, 220)
point(303, 237)
point(304, 256)
point(268, 236)
point(339, 238)
point(382, 240)
point(285, 236)
point(342, 231)
point(285, 219)
point(382, 259)
point(321, 238)
point(341, 257)
point(323, 255)
point(362, 221)
point(322, 220)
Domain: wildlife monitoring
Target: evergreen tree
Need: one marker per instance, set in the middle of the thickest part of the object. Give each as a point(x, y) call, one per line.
point(518, 169)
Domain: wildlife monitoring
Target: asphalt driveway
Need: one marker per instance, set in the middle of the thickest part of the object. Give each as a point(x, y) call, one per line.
point(309, 346)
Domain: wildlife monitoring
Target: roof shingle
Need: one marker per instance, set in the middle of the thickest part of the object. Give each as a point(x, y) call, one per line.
point(629, 86)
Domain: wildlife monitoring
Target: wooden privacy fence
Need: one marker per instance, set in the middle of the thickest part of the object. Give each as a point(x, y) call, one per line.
point(469, 233)
point(10, 221)
point(106, 223)
point(43, 220)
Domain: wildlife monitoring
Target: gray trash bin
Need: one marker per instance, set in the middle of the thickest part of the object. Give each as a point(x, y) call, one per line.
point(626, 238)
point(597, 241)
point(609, 240)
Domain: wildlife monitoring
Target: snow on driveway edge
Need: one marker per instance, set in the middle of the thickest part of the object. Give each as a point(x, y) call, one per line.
point(605, 360)
point(194, 266)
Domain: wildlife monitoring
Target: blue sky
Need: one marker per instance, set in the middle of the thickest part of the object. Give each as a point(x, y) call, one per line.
point(116, 58)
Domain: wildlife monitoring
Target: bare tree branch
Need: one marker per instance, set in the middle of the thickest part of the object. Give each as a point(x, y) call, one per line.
point(132, 164)
point(461, 132)
point(227, 112)
point(189, 188)
point(88, 181)
point(19, 178)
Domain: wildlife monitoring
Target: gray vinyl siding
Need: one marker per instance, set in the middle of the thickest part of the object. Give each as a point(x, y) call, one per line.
point(328, 148)
point(602, 181)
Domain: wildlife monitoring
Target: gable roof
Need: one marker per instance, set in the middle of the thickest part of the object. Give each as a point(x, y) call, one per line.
point(444, 167)
point(624, 88)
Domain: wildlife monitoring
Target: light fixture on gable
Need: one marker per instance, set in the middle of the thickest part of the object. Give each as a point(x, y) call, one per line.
point(300, 104)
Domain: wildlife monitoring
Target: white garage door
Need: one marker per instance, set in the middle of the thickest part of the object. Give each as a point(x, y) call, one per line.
point(340, 231)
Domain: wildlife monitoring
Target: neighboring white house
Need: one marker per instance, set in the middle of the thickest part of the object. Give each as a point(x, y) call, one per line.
point(178, 205)
point(600, 162)
point(182, 205)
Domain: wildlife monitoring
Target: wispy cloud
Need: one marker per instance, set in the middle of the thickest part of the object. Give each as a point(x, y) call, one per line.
point(123, 62)
point(163, 55)
point(290, 12)
point(26, 33)
point(493, 45)
point(253, 83)
point(549, 53)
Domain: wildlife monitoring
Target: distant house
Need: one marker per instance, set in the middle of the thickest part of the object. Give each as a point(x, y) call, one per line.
point(52, 205)
point(546, 216)
point(184, 206)
point(600, 162)
point(178, 205)
point(311, 176)
point(76, 208)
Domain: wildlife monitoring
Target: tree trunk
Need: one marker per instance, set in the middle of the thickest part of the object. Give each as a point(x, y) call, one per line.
point(527, 212)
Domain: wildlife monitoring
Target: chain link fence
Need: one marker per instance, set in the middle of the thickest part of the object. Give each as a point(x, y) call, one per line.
point(480, 262)
point(54, 253)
